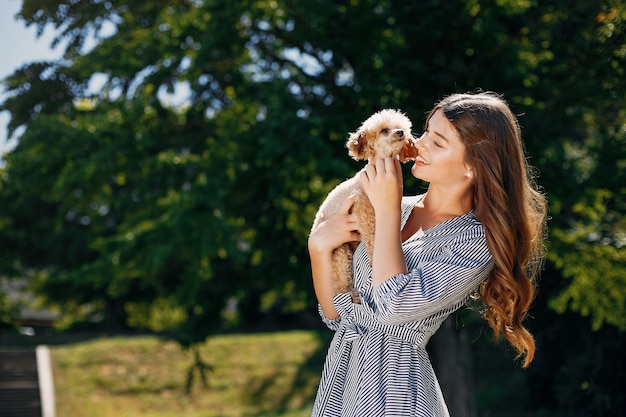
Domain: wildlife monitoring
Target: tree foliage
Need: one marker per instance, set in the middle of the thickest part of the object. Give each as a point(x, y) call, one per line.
point(125, 201)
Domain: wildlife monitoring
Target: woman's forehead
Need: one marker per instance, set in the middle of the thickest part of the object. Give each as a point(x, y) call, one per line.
point(439, 125)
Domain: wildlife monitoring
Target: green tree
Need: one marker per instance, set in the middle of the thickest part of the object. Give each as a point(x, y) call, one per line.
point(187, 217)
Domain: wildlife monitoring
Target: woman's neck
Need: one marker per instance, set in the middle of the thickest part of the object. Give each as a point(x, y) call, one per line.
point(447, 202)
point(436, 207)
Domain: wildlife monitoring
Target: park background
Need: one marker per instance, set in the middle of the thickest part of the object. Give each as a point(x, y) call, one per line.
point(165, 165)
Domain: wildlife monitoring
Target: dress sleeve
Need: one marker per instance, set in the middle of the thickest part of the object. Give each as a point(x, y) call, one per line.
point(343, 305)
point(444, 279)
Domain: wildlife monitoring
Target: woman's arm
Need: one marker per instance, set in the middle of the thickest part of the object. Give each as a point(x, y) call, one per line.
point(382, 181)
point(450, 268)
point(327, 236)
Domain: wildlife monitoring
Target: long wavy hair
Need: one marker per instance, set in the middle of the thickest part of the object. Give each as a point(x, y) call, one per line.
point(510, 206)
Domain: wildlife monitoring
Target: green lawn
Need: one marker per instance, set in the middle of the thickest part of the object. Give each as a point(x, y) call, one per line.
point(253, 375)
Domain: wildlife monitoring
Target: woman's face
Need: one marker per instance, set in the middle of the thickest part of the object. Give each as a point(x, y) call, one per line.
point(441, 154)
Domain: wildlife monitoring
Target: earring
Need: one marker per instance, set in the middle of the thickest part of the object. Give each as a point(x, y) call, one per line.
point(468, 174)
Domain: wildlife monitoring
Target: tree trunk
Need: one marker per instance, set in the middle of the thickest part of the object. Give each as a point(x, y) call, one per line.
point(452, 359)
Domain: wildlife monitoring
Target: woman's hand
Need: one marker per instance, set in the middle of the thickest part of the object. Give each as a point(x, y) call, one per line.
point(382, 181)
point(340, 228)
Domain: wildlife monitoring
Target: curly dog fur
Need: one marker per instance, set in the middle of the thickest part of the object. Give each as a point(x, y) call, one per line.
point(384, 134)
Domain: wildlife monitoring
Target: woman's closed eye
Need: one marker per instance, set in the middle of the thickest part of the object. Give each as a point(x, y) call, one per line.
point(436, 142)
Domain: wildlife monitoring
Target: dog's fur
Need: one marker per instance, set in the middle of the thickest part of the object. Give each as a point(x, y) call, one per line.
point(384, 134)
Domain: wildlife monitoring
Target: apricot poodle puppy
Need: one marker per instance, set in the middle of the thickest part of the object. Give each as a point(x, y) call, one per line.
point(384, 134)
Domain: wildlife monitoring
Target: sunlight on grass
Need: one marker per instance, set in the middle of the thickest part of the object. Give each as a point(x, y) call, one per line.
point(253, 375)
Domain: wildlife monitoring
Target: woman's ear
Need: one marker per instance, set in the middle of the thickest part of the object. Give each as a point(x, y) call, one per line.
point(469, 172)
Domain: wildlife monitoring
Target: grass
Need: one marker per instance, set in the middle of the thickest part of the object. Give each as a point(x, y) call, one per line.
point(252, 375)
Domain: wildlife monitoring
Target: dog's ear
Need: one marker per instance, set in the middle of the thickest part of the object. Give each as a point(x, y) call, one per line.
point(356, 144)
point(408, 151)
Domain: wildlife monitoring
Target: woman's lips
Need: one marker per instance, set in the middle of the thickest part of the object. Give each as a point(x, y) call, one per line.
point(421, 160)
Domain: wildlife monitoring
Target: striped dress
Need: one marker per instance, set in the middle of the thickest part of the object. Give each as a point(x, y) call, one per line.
point(377, 363)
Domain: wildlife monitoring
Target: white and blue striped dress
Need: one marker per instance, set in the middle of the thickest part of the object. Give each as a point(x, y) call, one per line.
point(377, 363)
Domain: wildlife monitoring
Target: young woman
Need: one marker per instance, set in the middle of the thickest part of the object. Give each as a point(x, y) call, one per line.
point(477, 230)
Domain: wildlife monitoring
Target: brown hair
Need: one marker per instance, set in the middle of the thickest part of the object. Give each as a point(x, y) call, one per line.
point(510, 207)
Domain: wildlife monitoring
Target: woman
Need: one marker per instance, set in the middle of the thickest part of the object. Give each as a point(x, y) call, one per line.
point(477, 230)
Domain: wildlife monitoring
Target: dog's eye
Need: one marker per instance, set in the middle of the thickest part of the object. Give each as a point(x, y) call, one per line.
point(384, 131)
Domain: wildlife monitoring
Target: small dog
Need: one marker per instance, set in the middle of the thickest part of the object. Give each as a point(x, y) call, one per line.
point(384, 134)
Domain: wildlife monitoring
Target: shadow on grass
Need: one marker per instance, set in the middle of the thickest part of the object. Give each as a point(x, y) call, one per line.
point(299, 393)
